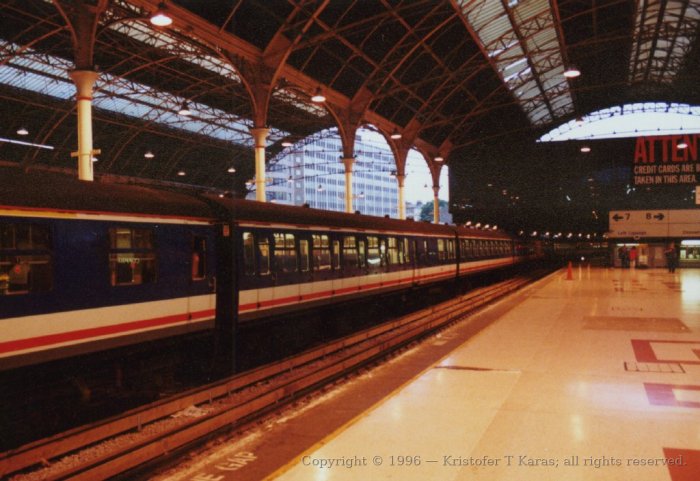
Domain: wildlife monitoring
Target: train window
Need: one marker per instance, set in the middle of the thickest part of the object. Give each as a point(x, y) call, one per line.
point(349, 252)
point(404, 253)
point(450, 249)
point(392, 251)
point(248, 254)
point(25, 259)
point(361, 253)
point(199, 257)
point(336, 254)
point(264, 255)
point(441, 251)
point(304, 255)
point(373, 255)
point(321, 252)
point(132, 256)
point(285, 252)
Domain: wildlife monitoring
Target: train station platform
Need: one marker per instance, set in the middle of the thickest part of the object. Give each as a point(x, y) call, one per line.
point(596, 377)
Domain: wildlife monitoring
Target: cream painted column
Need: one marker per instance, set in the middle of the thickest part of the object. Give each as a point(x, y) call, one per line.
point(436, 204)
point(84, 82)
point(260, 135)
point(401, 178)
point(349, 162)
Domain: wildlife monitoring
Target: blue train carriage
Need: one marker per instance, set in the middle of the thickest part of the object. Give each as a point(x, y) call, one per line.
point(292, 258)
point(87, 266)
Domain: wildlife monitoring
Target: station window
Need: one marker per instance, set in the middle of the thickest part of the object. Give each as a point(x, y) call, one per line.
point(285, 253)
point(373, 255)
point(132, 256)
point(25, 259)
point(349, 252)
point(321, 252)
point(199, 257)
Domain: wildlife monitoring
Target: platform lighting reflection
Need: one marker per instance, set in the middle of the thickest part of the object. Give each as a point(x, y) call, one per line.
point(487, 226)
point(161, 18)
point(468, 223)
point(534, 233)
point(478, 224)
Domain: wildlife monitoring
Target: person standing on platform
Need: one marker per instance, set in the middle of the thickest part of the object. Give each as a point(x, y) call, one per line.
point(633, 257)
point(671, 257)
point(623, 256)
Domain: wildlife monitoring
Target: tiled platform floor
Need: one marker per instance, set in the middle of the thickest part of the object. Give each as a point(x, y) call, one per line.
point(595, 378)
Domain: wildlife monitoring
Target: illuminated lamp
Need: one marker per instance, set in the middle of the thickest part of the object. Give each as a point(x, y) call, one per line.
point(585, 149)
point(161, 18)
point(149, 155)
point(231, 170)
point(571, 72)
point(396, 135)
point(681, 145)
point(318, 97)
point(439, 159)
point(181, 173)
point(22, 131)
point(287, 143)
point(184, 110)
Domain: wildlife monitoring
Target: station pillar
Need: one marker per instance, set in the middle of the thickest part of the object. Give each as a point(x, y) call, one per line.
point(401, 178)
point(260, 135)
point(436, 205)
point(348, 162)
point(84, 82)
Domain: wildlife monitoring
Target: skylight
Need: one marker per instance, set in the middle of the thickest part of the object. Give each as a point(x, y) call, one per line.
point(47, 75)
point(632, 120)
point(531, 66)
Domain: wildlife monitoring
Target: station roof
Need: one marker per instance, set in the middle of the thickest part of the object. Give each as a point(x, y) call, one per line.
point(454, 76)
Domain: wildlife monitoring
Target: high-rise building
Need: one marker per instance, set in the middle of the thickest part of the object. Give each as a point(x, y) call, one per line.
point(314, 174)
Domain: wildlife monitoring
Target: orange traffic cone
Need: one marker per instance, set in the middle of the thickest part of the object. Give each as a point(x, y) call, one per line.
point(569, 273)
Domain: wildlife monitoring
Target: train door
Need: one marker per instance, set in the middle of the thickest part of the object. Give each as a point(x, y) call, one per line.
point(201, 298)
point(227, 297)
point(306, 272)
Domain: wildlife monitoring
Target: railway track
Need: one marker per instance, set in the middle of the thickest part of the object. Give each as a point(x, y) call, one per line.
point(147, 434)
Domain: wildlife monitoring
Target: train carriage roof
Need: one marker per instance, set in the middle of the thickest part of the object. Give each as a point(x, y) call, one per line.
point(277, 214)
point(59, 192)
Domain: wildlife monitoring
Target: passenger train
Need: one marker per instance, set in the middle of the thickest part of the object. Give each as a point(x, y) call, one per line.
point(89, 266)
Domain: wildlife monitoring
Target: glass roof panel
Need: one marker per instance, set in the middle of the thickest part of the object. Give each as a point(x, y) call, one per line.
point(523, 59)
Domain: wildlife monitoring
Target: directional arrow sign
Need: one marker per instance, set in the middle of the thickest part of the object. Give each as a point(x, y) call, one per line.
point(659, 216)
point(617, 217)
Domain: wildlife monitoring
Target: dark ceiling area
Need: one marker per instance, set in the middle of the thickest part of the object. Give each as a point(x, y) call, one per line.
point(474, 81)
